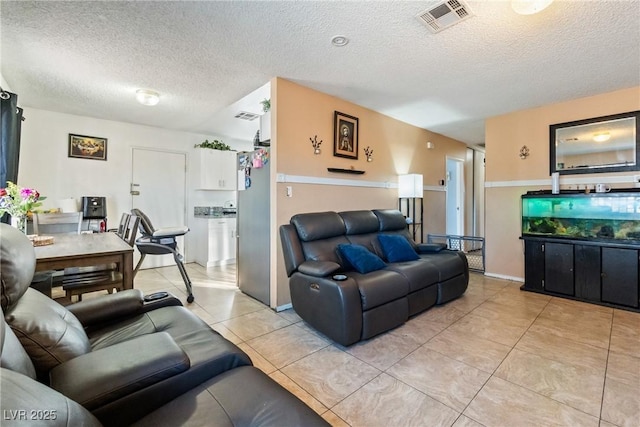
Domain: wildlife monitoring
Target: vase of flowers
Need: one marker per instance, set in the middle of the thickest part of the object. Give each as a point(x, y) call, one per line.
point(18, 202)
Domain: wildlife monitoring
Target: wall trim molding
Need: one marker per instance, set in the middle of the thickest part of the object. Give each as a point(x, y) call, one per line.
point(505, 277)
point(343, 182)
point(564, 181)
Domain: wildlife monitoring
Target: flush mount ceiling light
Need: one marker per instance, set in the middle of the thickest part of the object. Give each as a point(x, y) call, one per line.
point(529, 7)
point(147, 97)
point(601, 137)
point(339, 41)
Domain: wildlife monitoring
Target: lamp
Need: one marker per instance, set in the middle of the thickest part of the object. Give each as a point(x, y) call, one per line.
point(529, 7)
point(410, 186)
point(147, 97)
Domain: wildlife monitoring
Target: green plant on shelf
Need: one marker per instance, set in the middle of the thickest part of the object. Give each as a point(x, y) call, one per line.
point(213, 145)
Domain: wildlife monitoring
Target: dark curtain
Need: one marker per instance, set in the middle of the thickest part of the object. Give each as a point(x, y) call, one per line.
point(11, 121)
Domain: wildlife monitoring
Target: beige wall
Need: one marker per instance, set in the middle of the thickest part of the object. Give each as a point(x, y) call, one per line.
point(504, 136)
point(301, 113)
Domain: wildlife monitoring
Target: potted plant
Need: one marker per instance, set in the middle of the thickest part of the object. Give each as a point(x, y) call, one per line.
point(213, 145)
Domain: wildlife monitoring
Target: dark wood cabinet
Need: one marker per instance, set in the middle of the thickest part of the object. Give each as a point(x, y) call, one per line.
point(585, 270)
point(558, 268)
point(587, 275)
point(620, 276)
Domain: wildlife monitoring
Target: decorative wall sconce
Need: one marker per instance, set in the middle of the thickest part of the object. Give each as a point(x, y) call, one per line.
point(316, 144)
point(524, 152)
point(369, 153)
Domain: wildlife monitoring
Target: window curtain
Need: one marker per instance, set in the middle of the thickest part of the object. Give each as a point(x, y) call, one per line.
point(10, 126)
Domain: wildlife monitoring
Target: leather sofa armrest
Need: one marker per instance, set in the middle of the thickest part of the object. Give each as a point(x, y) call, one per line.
point(108, 308)
point(424, 248)
point(318, 268)
point(111, 373)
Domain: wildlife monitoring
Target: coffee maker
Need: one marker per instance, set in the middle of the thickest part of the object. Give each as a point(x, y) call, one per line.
point(95, 208)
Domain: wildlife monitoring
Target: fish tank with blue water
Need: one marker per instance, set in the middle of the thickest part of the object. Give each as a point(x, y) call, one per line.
point(613, 216)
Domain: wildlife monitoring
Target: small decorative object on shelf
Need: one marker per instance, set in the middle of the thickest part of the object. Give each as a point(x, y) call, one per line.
point(368, 152)
point(18, 202)
point(524, 152)
point(316, 144)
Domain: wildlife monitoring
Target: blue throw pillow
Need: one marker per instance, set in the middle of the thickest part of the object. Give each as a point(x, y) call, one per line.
point(361, 258)
point(397, 248)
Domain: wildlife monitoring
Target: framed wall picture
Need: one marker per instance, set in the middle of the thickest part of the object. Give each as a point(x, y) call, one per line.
point(87, 147)
point(345, 135)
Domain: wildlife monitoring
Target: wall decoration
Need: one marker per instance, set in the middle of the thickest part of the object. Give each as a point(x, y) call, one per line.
point(316, 144)
point(87, 147)
point(524, 152)
point(345, 134)
point(368, 152)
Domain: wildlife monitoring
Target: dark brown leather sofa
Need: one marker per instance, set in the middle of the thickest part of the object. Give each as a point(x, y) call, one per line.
point(118, 360)
point(361, 306)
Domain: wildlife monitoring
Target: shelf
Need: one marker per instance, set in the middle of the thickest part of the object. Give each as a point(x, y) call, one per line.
point(351, 171)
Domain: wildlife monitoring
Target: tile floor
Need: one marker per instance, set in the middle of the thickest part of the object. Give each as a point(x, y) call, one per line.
point(495, 357)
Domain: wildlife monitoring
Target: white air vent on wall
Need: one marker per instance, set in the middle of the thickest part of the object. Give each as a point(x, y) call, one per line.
point(245, 115)
point(444, 15)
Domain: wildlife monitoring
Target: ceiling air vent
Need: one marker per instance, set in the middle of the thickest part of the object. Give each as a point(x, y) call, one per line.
point(444, 15)
point(245, 115)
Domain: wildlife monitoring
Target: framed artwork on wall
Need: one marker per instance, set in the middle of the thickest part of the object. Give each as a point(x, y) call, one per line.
point(345, 136)
point(87, 147)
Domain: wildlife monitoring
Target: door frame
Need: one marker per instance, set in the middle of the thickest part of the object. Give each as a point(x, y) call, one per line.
point(459, 183)
point(184, 245)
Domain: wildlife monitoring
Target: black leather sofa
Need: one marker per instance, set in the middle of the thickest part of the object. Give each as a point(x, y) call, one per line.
point(349, 305)
point(120, 360)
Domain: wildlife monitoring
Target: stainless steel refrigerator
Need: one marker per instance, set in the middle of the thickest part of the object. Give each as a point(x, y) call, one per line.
point(253, 259)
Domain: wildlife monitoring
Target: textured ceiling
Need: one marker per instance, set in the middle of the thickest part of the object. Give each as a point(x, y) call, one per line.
point(88, 58)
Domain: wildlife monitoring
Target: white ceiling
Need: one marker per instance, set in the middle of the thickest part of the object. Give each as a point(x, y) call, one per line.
point(88, 58)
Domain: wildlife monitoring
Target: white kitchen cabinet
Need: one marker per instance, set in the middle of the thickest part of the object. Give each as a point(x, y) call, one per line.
point(216, 241)
point(218, 170)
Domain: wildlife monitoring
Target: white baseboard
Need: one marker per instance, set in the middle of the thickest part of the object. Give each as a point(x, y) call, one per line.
point(505, 277)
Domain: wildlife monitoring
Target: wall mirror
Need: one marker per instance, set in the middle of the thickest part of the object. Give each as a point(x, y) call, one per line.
point(601, 144)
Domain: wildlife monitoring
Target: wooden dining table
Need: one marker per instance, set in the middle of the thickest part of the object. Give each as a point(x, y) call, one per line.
point(84, 250)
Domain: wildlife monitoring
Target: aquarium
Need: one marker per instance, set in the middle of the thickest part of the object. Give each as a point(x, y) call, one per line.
point(613, 216)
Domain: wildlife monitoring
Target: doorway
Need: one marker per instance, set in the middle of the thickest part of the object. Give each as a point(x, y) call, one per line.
point(455, 196)
point(158, 188)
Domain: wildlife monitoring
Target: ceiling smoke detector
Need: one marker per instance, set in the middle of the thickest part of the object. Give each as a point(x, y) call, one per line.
point(444, 15)
point(245, 115)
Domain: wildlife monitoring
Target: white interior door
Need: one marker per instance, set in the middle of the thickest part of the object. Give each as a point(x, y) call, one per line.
point(159, 179)
point(455, 197)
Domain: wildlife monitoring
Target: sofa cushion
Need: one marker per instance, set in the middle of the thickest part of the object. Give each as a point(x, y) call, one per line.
point(319, 225)
point(391, 219)
point(380, 287)
point(396, 248)
point(360, 222)
point(360, 258)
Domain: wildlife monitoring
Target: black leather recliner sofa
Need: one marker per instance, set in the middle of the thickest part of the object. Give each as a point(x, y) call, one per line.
point(349, 305)
point(119, 360)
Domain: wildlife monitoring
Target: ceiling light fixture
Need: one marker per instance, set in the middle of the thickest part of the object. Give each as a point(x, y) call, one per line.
point(529, 7)
point(601, 137)
point(339, 41)
point(147, 97)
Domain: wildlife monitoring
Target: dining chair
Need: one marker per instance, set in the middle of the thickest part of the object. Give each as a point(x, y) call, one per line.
point(99, 278)
point(124, 222)
point(57, 223)
point(161, 242)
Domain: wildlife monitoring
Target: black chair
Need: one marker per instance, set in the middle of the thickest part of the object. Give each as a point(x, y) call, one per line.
point(161, 242)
